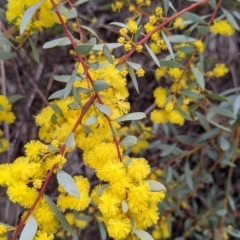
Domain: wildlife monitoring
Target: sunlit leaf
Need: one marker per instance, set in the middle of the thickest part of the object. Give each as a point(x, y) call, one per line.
point(68, 183)
point(131, 116)
point(102, 108)
point(28, 14)
point(129, 141)
point(29, 229)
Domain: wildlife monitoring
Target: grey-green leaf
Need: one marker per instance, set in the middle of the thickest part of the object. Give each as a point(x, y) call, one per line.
point(68, 183)
point(102, 108)
point(28, 14)
point(56, 109)
point(129, 141)
point(131, 116)
point(169, 46)
point(57, 94)
point(153, 56)
point(100, 85)
point(61, 218)
point(156, 186)
point(14, 98)
point(34, 50)
point(133, 77)
point(124, 206)
point(73, 13)
point(107, 53)
point(166, 63)
point(30, 229)
point(4, 55)
point(91, 120)
point(70, 140)
point(188, 176)
point(198, 76)
point(143, 235)
point(57, 42)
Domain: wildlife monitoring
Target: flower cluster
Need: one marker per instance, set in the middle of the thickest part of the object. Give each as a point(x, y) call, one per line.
point(44, 17)
point(222, 27)
point(7, 116)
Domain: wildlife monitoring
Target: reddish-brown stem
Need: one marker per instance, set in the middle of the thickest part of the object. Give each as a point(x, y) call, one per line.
point(62, 151)
point(168, 20)
point(85, 67)
point(21, 224)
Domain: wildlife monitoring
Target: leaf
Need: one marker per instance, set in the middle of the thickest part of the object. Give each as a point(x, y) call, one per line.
point(100, 85)
point(169, 46)
point(131, 116)
point(129, 141)
point(236, 105)
point(153, 56)
point(188, 176)
point(166, 6)
point(76, 96)
point(218, 97)
point(198, 76)
point(221, 212)
point(68, 183)
point(102, 229)
point(156, 186)
point(91, 120)
point(180, 39)
point(102, 108)
point(107, 53)
point(90, 30)
point(28, 14)
point(124, 206)
point(186, 49)
point(208, 135)
point(57, 94)
point(168, 150)
point(61, 218)
point(30, 229)
point(232, 21)
point(57, 42)
point(34, 50)
point(169, 174)
point(70, 140)
point(73, 13)
point(119, 24)
point(233, 232)
point(224, 144)
point(166, 63)
point(6, 55)
point(84, 49)
point(4, 40)
point(57, 109)
point(99, 47)
point(54, 119)
point(79, 2)
point(143, 235)
point(62, 78)
point(14, 98)
point(222, 111)
point(73, 105)
point(134, 65)
point(133, 77)
point(70, 82)
point(212, 3)
point(193, 17)
point(191, 94)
